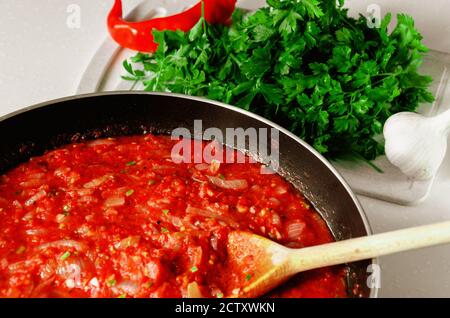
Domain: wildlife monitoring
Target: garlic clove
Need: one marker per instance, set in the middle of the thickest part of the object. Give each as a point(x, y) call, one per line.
point(415, 144)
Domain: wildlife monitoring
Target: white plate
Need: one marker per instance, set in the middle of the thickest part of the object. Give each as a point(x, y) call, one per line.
point(105, 70)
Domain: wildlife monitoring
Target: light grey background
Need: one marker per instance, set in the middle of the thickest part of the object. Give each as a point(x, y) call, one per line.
point(42, 59)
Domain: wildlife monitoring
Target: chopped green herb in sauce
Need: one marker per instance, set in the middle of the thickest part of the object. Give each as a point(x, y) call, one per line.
point(65, 256)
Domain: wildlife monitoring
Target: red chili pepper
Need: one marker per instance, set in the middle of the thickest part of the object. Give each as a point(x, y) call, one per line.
point(138, 36)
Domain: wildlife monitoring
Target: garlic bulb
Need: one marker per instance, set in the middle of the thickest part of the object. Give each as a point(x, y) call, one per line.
point(417, 144)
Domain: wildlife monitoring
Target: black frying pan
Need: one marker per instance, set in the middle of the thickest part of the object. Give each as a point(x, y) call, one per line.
point(32, 131)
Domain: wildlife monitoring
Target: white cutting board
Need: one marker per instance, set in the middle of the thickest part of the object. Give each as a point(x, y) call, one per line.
point(105, 70)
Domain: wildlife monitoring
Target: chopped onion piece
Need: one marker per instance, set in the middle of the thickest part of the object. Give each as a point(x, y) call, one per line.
point(28, 217)
point(97, 182)
point(214, 167)
point(38, 196)
point(154, 270)
point(193, 291)
point(61, 172)
point(197, 179)
point(211, 214)
point(128, 287)
point(274, 202)
point(239, 184)
point(141, 209)
point(31, 183)
point(84, 230)
point(112, 202)
point(23, 265)
point(295, 229)
point(60, 218)
point(71, 272)
point(84, 192)
point(280, 190)
point(38, 175)
point(17, 205)
point(127, 242)
point(241, 208)
point(201, 166)
point(276, 220)
point(88, 199)
point(214, 243)
point(176, 221)
point(36, 231)
point(195, 255)
point(63, 243)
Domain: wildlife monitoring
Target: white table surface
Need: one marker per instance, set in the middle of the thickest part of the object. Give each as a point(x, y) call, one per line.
point(42, 59)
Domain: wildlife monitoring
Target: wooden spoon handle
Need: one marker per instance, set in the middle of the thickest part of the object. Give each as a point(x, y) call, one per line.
point(368, 247)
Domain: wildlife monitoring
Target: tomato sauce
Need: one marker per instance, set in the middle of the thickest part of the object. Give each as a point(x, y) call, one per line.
point(119, 218)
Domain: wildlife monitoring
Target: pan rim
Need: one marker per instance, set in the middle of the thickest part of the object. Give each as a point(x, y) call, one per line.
point(367, 226)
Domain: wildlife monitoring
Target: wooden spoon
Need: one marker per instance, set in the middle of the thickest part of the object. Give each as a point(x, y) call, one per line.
point(268, 264)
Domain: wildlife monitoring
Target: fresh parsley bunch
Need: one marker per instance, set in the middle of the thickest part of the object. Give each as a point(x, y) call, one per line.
point(304, 64)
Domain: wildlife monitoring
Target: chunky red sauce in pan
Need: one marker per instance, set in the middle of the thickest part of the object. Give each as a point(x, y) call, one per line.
point(118, 218)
